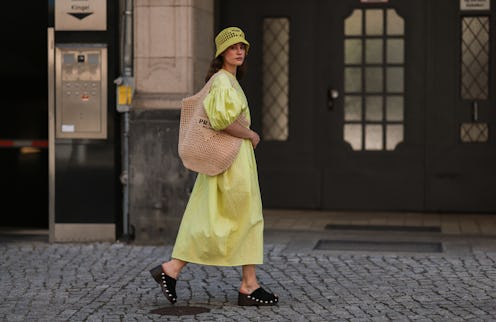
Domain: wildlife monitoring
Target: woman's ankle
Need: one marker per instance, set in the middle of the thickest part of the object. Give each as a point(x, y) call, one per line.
point(170, 269)
point(173, 267)
point(248, 288)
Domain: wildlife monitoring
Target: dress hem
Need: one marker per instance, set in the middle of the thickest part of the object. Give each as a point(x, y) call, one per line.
point(216, 264)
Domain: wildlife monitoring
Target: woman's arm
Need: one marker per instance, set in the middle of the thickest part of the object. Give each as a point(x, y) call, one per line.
point(239, 131)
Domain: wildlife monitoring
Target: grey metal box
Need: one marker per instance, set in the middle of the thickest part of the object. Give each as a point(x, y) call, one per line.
point(81, 91)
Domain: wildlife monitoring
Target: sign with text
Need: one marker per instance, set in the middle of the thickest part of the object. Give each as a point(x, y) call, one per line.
point(80, 14)
point(475, 4)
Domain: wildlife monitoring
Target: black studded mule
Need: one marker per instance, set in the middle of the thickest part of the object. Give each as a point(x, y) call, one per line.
point(258, 297)
point(167, 283)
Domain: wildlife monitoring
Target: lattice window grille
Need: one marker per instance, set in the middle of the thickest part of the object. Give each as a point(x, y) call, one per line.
point(275, 79)
point(475, 58)
point(474, 132)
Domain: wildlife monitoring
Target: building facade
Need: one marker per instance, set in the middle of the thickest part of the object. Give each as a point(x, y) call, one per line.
point(380, 105)
point(363, 105)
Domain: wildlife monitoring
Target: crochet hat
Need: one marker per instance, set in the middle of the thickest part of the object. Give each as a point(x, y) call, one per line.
point(228, 37)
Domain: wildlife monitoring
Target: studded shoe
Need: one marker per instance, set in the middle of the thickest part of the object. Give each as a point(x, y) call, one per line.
point(258, 297)
point(167, 283)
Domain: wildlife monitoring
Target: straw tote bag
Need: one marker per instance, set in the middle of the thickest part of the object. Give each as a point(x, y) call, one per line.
point(201, 148)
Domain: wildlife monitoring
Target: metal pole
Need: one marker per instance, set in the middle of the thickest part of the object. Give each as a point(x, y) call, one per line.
point(51, 134)
point(125, 177)
point(127, 74)
point(128, 41)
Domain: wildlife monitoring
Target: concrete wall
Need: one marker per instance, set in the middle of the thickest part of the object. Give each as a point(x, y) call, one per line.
point(159, 184)
point(173, 47)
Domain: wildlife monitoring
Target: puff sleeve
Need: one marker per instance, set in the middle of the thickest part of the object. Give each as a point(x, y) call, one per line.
point(223, 104)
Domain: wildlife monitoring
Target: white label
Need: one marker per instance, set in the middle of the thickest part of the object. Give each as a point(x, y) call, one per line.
point(80, 15)
point(68, 128)
point(475, 4)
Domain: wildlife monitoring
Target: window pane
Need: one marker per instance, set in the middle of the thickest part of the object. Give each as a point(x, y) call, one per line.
point(352, 79)
point(373, 79)
point(394, 79)
point(352, 108)
point(394, 135)
point(394, 108)
point(275, 79)
point(353, 135)
point(395, 24)
point(353, 51)
point(373, 51)
point(395, 53)
point(373, 137)
point(374, 22)
point(373, 108)
point(353, 24)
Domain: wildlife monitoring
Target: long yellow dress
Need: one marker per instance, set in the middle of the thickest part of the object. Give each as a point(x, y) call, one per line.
point(223, 222)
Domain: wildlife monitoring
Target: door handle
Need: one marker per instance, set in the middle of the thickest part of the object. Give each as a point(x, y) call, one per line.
point(332, 95)
point(475, 111)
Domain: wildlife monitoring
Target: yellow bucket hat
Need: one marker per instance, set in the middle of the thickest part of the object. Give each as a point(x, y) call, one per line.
point(228, 37)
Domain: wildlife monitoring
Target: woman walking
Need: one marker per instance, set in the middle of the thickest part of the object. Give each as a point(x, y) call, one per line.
point(223, 222)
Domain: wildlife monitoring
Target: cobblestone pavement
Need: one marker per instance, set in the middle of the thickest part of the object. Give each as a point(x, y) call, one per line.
point(110, 282)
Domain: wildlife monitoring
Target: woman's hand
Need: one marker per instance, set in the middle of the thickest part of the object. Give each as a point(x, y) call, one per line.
point(254, 138)
point(240, 131)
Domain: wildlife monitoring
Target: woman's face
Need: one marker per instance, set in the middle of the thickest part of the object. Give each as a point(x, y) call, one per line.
point(235, 54)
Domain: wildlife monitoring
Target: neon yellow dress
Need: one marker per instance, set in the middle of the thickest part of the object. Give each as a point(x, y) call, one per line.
point(223, 222)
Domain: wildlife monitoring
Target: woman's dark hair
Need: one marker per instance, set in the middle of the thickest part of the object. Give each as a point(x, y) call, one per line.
point(216, 65)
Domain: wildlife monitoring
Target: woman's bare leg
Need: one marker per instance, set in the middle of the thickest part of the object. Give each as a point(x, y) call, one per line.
point(173, 267)
point(249, 281)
